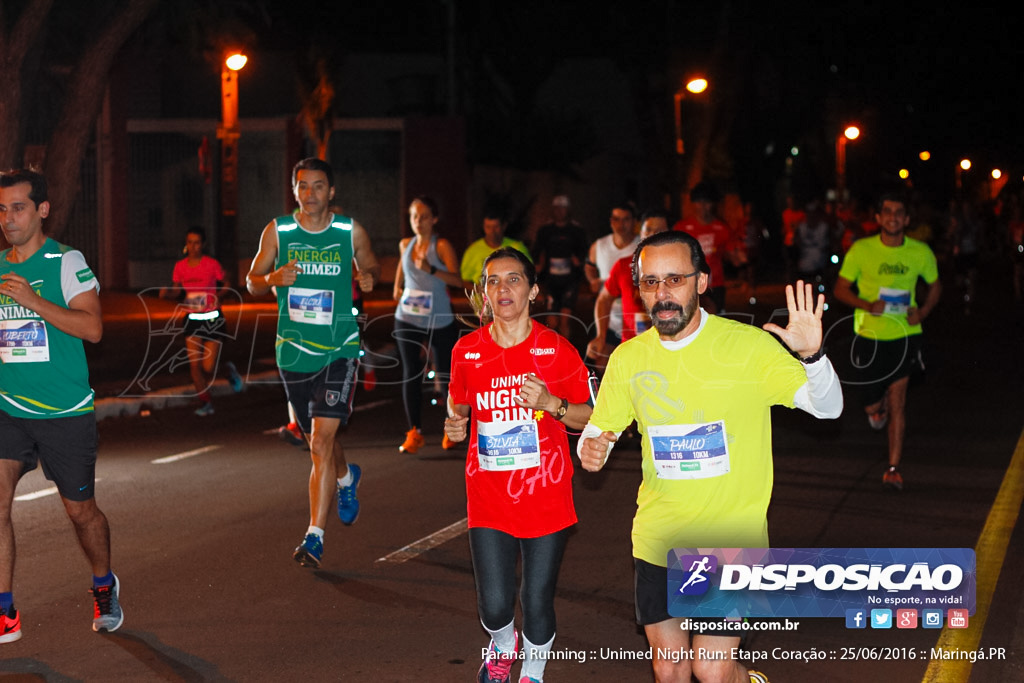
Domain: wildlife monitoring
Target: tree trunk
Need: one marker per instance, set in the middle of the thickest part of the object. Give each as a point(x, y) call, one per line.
point(82, 104)
point(14, 47)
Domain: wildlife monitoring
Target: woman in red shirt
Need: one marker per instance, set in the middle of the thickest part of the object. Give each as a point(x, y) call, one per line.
point(516, 386)
point(202, 280)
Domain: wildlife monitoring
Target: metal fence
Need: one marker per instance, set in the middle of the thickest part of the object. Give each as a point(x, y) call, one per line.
point(167, 193)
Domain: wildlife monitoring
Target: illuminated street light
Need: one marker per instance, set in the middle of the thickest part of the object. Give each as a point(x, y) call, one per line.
point(904, 173)
point(965, 164)
point(849, 133)
point(695, 86)
point(925, 155)
point(996, 174)
point(236, 61)
point(229, 133)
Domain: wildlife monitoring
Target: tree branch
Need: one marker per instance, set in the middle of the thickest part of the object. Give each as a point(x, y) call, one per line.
point(82, 104)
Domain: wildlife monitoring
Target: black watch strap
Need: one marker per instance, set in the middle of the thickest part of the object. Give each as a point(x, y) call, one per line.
point(562, 409)
point(814, 358)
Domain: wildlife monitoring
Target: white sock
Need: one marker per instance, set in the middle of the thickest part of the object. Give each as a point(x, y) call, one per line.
point(504, 638)
point(536, 658)
point(347, 479)
point(315, 530)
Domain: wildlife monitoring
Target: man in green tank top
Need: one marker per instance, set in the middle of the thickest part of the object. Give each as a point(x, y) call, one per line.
point(307, 259)
point(49, 303)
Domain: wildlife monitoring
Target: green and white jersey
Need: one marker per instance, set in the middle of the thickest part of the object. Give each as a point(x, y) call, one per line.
point(316, 323)
point(43, 372)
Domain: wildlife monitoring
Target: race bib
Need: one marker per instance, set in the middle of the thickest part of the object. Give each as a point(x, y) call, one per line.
point(507, 445)
point(200, 301)
point(310, 306)
point(23, 341)
point(560, 266)
point(417, 302)
point(897, 301)
point(689, 451)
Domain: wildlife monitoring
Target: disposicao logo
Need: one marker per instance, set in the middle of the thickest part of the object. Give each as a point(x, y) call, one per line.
point(818, 582)
point(696, 581)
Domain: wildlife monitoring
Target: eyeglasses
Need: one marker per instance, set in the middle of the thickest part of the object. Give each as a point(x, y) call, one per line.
point(650, 284)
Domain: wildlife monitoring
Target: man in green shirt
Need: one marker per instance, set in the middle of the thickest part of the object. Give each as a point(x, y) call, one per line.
point(307, 257)
point(49, 303)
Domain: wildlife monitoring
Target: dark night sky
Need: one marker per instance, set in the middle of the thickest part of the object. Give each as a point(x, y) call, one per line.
point(915, 76)
point(940, 75)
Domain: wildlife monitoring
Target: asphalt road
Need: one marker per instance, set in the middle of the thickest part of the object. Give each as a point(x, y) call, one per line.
point(202, 544)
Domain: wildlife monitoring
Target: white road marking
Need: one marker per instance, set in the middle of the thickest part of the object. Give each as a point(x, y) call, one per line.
point(426, 543)
point(39, 494)
point(186, 454)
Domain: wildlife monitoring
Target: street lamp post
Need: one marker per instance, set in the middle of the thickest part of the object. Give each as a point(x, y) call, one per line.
point(850, 133)
point(694, 86)
point(965, 165)
point(229, 134)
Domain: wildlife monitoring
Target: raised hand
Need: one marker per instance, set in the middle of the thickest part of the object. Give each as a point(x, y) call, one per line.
point(803, 333)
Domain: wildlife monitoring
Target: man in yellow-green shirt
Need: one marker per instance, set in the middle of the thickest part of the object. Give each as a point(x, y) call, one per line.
point(493, 239)
point(887, 320)
point(701, 388)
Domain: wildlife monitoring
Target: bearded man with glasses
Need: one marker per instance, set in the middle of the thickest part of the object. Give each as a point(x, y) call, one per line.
point(699, 374)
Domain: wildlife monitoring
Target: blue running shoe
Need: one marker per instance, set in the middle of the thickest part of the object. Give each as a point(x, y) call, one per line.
point(310, 551)
point(234, 379)
point(107, 614)
point(348, 502)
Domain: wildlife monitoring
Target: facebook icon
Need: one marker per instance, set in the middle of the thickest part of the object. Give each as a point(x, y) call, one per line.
point(856, 618)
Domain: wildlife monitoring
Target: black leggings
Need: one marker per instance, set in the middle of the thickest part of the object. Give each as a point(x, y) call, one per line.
point(412, 344)
point(494, 566)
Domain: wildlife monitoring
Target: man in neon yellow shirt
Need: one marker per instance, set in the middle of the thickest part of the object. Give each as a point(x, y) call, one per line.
point(695, 378)
point(494, 237)
point(887, 319)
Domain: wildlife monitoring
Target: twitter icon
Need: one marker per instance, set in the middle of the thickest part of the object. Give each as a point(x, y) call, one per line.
point(881, 618)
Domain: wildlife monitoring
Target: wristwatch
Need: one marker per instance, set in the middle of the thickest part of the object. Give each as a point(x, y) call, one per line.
point(562, 409)
point(815, 357)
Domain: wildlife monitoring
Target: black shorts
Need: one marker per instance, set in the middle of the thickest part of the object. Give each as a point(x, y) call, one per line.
point(563, 292)
point(651, 598)
point(210, 330)
point(66, 447)
point(325, 393)
point(879, 364)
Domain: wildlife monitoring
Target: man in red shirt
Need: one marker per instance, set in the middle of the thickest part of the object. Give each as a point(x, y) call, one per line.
point(715, 239)
point(619, 285)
